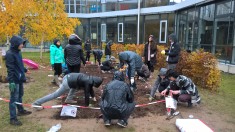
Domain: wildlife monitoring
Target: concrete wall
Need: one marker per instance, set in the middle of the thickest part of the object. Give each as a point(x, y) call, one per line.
point(227, 68)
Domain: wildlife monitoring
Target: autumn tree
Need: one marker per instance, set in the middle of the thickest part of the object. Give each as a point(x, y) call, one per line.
point(11, 18)
point(48, 20)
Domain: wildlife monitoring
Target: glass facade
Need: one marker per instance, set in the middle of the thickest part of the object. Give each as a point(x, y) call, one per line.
point(94, 6)
point(210, 27)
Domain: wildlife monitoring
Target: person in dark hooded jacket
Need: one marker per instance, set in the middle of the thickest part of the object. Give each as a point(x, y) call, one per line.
point(74, 81)
point(108, 50)
point(134, 63)
point(73, 54)
point(144, 72)
point(16, 77)
point(56, 59)
point(172, 53)
point(97, 55)
point(117, 101)
point(160, 84)
point(108, 65)
point(87, 48)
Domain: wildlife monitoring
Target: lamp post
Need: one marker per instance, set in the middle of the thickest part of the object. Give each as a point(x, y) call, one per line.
point(138, 24)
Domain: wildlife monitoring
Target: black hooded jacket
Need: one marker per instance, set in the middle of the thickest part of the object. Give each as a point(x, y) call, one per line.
point(15, 67)
point(108, 50)
point(98, 53)
point(116, 97)
point(87, 45)
point(73, 53)
point(83, 81)
point(174, 51)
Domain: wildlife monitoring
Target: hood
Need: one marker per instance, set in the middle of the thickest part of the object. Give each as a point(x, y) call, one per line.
point(55, 41)
point(74, 40)
point(97, 81)
point(173, 37)
point(118, 76)
point(110, 42)
point(16, 41)
point(181, 81)
point(112, 58)
point(162, 72)
point(123, 56)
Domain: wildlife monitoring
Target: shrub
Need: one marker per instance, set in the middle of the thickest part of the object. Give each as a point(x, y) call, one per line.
point(200, 66)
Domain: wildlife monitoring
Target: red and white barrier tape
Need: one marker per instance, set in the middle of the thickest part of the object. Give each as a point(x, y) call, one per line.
point(83, 107)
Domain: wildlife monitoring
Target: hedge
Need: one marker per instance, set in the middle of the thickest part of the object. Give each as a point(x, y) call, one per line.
point(200, 66)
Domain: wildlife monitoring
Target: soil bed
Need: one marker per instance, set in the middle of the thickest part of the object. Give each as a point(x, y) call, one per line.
point(140, 96)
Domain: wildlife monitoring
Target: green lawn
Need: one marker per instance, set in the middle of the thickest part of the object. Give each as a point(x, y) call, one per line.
point(223, 100)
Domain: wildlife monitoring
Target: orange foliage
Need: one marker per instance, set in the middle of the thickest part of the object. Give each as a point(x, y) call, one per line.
point(200, 66)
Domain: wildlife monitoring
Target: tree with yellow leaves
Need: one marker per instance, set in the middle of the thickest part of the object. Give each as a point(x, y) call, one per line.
point(48, 20)
point(11, 14)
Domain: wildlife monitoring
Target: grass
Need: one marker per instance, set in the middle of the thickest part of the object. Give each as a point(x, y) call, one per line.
point(45, 61)
point(32, 91)
point(223, 100)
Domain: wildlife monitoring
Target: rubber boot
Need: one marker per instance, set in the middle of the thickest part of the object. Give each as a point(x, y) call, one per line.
point(57, 80)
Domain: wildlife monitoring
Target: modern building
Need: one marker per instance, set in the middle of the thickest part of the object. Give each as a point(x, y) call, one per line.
point(207, 24)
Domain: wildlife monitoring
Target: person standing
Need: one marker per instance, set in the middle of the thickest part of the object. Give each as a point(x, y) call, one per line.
point(73, 54)
point(172, 53)
point(87, 48)
point(16, 78)
point(108, 50)
point(117, 101)
point(56, 59)
point(150, 52)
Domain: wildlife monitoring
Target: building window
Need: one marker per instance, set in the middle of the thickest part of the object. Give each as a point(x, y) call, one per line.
point(103, 32)
point(66, 4)
point(152, 26)
point(72, 10)
point(120, 32)
point(163, 31)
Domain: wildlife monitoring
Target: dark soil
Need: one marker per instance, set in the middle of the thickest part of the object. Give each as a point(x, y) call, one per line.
point(141, 97)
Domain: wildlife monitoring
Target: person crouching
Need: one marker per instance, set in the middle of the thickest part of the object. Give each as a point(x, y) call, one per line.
point(117, 101)
point(107, 65)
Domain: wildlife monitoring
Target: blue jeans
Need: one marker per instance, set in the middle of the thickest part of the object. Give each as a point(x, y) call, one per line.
point(107, 57)
point(64, 87)
point(16, 96)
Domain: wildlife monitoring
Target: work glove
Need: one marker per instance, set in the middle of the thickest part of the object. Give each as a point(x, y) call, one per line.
point(152, 55)
point(52, 66)
point(132, 80)
point(163, 52)
point(12, 86)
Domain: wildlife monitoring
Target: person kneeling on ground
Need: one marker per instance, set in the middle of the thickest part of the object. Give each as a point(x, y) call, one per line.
point(117, 101)
point(185, 90)
point(108, 65)
point(160, 84)
point(74, 81)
